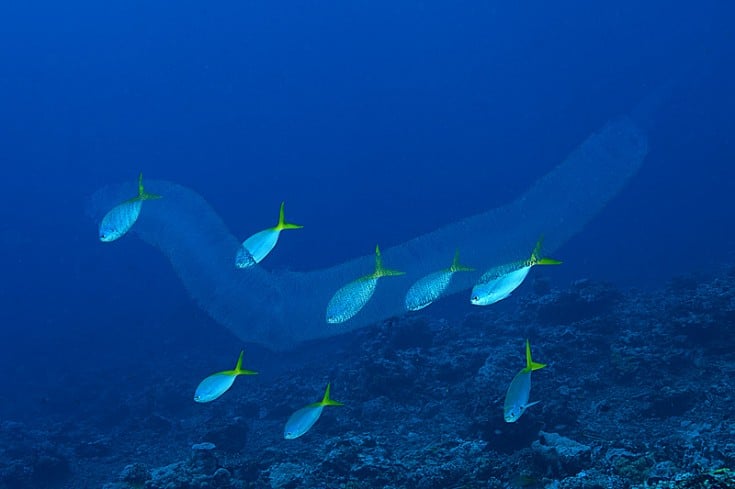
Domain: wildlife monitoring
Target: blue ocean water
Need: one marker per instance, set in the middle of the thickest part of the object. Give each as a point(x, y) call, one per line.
point(374, 121)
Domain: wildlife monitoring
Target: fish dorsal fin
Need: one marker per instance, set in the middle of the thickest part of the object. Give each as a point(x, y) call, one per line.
point(326, 401)
point(142, 194)
point(282, 224)
point(379, 270)
point(537, 259)
point(458, 267)
point(530, 364)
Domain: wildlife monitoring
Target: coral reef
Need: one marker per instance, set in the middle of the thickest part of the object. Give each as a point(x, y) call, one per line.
point(638, 392)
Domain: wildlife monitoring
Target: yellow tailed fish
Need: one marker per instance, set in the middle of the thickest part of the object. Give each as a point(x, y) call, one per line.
point(121, 218)
point(351, 298)
point(516, 399)
point(217, 384)
point(256, 247)
point(302, 420)
point(497, 283)
point(429, 288)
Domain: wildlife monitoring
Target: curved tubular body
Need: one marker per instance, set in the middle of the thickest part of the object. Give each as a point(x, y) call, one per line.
point(281, 309)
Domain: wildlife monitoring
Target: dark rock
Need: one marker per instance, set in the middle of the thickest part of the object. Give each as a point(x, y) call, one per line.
point(229, 437)
point(560, 455)
point(584, 300)
point(221, 478)
point(203, 460)
point(668, 402)
point(50, 468)
point(157, 424)
point(92, 449)
point(135, 474)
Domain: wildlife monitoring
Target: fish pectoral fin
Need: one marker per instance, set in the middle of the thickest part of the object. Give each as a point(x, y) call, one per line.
point(530, 404)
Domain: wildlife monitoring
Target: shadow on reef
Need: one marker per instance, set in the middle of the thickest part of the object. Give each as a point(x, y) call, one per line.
point(637, 393)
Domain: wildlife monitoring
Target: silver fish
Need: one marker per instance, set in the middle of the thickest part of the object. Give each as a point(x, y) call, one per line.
point(217, 384)
point(351, 298)
point(497, 283)
point(121, 218)
point(302, 420)
point(431, 287)
point(519, 391)
point(259, 245)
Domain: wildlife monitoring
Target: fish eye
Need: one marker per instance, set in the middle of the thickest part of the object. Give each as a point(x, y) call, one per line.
point(475, 298)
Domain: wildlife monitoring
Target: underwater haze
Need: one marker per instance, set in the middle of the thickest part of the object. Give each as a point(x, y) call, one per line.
point(602, 132)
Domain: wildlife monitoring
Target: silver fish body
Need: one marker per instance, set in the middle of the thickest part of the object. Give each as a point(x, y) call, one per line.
point(214, 386)
point(496, 285)
point(260, 244)
point(243, 258)
point(350, 299)
point(427, 289)
point(302, 420)
point(516, 399)
point(119, 220)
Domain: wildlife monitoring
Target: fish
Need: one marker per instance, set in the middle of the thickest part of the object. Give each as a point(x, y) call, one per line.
point(516, 399)
point(497, 283)
point(121, 218)
point(217, 384)
point(351, 298)
point(302, 420)
point(430, 288)
point(259, 245)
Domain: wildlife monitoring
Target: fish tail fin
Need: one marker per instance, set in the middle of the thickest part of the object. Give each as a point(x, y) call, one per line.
point(530, 364)
point(537, 259)
point(458, 267)
point(379, 270)
point(326, 401)
point(238, 368)
point(142, 194)
point(536, 253)
point(282, 224)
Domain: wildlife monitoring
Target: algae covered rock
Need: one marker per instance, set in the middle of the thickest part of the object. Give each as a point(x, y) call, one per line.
point(562, 456)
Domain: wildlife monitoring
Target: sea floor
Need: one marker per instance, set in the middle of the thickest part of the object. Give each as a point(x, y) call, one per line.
point(638, 392)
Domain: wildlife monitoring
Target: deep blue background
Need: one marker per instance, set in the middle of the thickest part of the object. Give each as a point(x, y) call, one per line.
point(375, 121)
